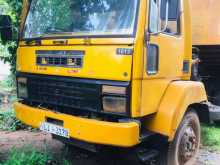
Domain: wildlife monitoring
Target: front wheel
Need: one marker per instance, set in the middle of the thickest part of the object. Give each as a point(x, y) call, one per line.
point(185, 147)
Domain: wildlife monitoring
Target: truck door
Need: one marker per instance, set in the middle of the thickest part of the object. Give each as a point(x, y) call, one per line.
point(164, 51)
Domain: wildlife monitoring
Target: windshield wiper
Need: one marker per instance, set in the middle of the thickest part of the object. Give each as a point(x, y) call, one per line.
point(37, 40)
point(54, 31)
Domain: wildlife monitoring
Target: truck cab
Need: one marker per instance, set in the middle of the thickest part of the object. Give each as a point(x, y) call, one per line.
point(113, 73)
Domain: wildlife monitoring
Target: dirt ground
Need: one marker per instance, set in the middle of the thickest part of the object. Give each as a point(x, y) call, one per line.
point(39, 140)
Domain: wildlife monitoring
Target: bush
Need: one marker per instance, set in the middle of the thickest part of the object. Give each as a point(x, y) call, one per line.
point(8, 122)
point(211, 136)
point(8, 84)
point(27, 156)
point(8, 51)
point(30, 156)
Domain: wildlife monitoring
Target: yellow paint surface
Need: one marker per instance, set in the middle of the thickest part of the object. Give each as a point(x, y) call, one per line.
point(99, 62)
point(93, 131)
point(178, 97)
point(206, 22)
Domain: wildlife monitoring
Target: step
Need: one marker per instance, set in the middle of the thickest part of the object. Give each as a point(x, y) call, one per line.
point(214, 111)
point(147, 155)
point(145, 135)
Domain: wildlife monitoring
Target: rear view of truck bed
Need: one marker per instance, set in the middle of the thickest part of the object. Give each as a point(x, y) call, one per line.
point(206, 40)
point(206, 22)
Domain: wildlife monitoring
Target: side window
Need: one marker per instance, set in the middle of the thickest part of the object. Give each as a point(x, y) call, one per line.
point(173, 24)
point(154, 16)
point(158, 16)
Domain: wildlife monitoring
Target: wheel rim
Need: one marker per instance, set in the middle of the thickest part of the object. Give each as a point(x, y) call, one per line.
point(188, 145)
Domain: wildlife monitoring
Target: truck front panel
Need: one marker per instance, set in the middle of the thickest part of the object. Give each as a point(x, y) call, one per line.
point(106, 62)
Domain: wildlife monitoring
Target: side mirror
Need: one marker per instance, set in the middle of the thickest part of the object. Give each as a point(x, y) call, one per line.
point(6, 28)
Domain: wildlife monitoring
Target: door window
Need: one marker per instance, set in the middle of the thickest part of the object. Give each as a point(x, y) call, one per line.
point(158, 16)
point(154, 16)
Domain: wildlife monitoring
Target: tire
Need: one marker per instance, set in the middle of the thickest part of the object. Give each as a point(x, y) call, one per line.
point(185, 146)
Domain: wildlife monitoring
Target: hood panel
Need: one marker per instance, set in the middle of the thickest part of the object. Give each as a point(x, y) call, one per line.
point(98, 62)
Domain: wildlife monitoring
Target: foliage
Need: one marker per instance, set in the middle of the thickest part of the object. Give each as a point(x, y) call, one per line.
point(30, 156)
point(4, 51)
point(9, 55)
point(16, 6)
point(8, 84)
point(211, 136)
point(12, 8)
point(8, 122)
point(27, 156)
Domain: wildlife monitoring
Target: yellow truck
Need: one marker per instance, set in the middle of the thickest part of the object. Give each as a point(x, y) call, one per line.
point(117, 73)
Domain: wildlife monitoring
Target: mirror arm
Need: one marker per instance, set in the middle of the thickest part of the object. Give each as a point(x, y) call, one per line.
point(146, 37)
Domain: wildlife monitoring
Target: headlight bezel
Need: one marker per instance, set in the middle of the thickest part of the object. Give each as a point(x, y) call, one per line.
point(22, 90)
point(120, 93)
point(114, 104)
point(114, 90)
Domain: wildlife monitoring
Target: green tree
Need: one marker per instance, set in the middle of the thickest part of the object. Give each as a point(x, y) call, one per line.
point(12, 8)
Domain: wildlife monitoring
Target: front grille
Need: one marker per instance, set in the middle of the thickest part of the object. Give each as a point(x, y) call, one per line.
point(75, 62)
point(64, 92)
point(60, 58)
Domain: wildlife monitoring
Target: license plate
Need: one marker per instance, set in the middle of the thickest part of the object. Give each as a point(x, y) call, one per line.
point(54, 129)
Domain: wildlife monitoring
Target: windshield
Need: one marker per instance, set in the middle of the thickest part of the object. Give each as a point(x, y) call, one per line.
point(80, 18)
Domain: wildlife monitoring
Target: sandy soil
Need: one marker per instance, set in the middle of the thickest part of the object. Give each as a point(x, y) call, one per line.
point(19, 139)
point(208, 157)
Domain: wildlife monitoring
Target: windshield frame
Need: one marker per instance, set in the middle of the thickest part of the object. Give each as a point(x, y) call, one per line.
point(58, 36)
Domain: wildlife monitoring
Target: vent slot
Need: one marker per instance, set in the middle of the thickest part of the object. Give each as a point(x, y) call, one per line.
point(76, 95)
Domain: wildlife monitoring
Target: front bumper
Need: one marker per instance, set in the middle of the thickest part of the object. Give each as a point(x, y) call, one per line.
point(88, 130)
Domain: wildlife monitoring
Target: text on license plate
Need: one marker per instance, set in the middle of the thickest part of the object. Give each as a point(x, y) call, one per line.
point(54, 129)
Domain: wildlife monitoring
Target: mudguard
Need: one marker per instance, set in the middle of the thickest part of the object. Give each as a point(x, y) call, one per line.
point(178, 97)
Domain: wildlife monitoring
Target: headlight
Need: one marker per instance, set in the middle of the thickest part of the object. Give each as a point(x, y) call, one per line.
point(114, 104)
point(22, 87)
point(113, 90)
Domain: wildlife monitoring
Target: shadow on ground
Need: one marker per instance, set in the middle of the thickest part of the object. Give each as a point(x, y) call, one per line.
point(40, 141)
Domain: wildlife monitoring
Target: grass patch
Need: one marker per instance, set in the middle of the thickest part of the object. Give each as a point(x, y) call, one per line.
point(8, 122)
point(211, 136)
point(30, 156)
